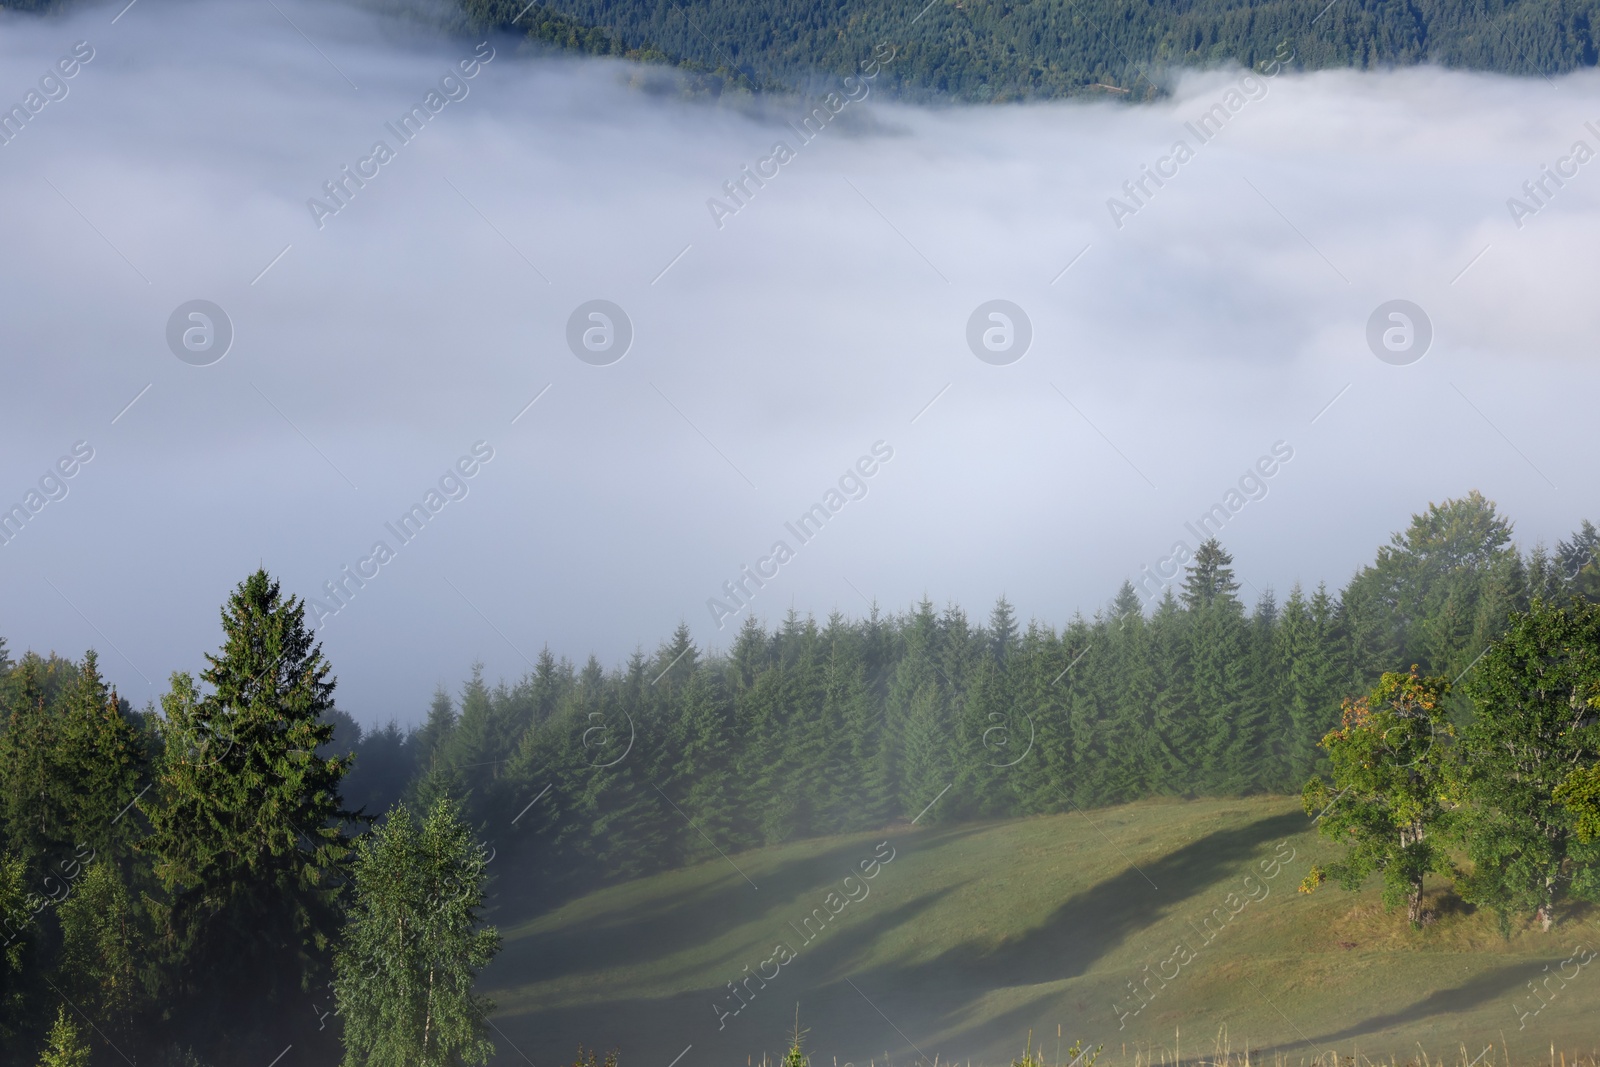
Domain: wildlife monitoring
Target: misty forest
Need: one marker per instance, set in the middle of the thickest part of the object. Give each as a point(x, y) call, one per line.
point(391, 388)
point(244, 863)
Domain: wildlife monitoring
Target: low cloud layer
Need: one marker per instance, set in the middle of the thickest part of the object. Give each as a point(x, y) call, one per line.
point(1197, 315)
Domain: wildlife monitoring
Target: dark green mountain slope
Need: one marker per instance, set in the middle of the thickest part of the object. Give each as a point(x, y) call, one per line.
point(998, 50)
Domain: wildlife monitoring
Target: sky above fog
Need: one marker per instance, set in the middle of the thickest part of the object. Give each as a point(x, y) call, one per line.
point(768, 354)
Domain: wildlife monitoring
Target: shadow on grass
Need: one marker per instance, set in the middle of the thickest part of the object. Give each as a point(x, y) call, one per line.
point(1083, 929)
point(1095, 921)
point(932, 996)
point(1475, 991)
point(694, 915)
point(707, 1017)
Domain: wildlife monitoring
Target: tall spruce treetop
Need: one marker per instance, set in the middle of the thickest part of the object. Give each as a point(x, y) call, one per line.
point(69, 762)
point(676, 660)
point(103, 761)
point(546, 686)
point(246, 816)
point(1002, 629)
point(6, 680)
point(1210, 576)
point(1125, 605)
point(430, 740)
point(1577, 561)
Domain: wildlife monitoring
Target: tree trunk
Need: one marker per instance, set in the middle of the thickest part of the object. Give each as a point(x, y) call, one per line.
point(1409, 836)
point(427, 1023)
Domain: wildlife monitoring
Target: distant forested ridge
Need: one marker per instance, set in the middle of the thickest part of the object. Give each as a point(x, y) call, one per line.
point(995, 50)
point(815, 728)
point(992, 50)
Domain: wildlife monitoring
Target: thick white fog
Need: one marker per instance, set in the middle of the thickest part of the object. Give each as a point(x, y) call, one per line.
point(1177, 337)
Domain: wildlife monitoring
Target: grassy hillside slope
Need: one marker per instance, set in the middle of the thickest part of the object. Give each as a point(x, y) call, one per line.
point(972, 935)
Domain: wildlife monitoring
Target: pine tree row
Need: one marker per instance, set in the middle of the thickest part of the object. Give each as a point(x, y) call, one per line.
point(811, 729)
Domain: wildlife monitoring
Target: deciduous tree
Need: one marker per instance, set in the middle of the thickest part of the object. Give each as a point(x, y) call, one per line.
point(413, 945)
point(1392, 791)
point(1537, 722)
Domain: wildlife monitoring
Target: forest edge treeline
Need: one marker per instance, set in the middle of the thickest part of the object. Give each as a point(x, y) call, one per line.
point(209, 872)
point(994, 52)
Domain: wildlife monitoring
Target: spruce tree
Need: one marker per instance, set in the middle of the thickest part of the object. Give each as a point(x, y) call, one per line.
point(925, 765)
point(64, 1048)
point(246, 817)
point(546, 686)
point(18, 950)
point(1002, 629)
point(1296, 650)
point(34, 792)
point(859, 759)
point(101, 763)
point(1209, 577)
point(988, 735)
point(1129, 730)
point(1260, 753)
point(101, 947)
point(471, 752)
point(1578, 562)
point(432, 739)
point(702, 784)
point(1176, 728)
point(1038, 664)
point(676, 660)
point(1220, 664)
point(5, 677)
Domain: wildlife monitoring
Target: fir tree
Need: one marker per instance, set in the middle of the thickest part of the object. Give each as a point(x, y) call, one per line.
point(676, 660)
point(102, 762)
point(1129, 734)
point(1577, 562)
point(703, 781)
point(1002, 629)
point(34, 788)
point(431, 740)
point(1220, 670)
point(1176, 727)
point(245, 816)
point(100, 939)
point(471, 752)
point(17, 949)
point(65, 1048)
point(1210, 576)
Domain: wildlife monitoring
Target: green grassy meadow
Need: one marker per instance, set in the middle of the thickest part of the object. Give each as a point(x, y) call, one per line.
point(972, 936)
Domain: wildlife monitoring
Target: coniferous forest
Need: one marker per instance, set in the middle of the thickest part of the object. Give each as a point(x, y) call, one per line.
point(825, 727)
point(1041, 49)
point(1046, 49)
point(244, 860)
